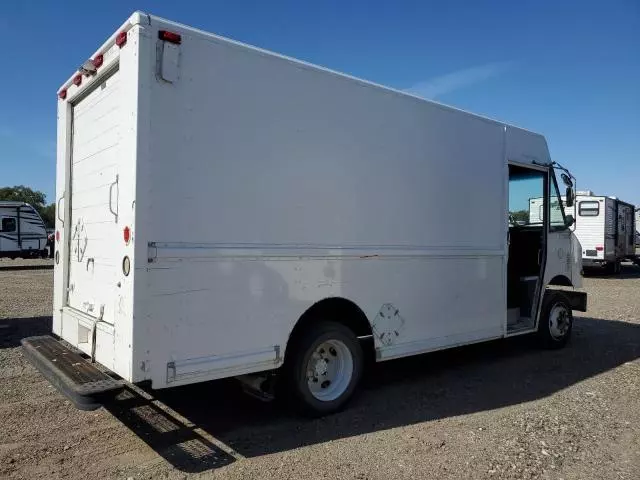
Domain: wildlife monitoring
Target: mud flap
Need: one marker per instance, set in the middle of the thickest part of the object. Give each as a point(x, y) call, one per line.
point(577, 300)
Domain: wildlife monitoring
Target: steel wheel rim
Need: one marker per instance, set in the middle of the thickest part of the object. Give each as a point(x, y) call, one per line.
point(329, 370)
point(559, 321)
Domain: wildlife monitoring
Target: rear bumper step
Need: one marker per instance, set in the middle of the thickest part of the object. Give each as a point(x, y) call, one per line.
point(76, 378)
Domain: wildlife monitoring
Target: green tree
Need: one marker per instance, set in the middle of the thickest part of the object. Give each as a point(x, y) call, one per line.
point(20, 193)
point(48, 215)
point(35, 198)
point(520, 215)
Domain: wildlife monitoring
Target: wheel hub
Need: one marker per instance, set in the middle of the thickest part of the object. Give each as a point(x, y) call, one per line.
point(321, 367)
point(329, 370)
point(559, 321)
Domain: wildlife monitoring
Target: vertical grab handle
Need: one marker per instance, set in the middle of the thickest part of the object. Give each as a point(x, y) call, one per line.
point(115, 213)
point(58, 208)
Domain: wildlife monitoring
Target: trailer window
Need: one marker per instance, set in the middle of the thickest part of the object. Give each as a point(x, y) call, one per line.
point(8, 224)
point(589, 209)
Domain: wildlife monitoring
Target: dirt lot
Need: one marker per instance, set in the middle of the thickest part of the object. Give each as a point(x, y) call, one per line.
point(499, 410)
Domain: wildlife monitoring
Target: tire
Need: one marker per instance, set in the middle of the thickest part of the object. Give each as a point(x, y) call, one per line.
point(323, 369)
point(556, 321)
point(617, 267)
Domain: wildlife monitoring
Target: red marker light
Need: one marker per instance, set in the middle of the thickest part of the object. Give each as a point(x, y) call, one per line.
point(127, 235)
point(599, 248)
point(62, 94)
point(57, 235)
point(121, 39)
point(97, 62)
point(170, 37)
point(77, 80)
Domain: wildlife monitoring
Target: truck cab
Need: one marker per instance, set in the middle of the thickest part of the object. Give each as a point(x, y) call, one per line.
point(543, 250)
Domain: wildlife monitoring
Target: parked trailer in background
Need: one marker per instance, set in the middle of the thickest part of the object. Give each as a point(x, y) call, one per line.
point(226, 211)
point(606, 228)
point(22, 231)
point(637, 229)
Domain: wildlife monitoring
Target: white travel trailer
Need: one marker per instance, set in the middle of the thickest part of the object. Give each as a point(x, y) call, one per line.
point(22, 231)
point(227, 211)
point(637, 229)
point(605, 227)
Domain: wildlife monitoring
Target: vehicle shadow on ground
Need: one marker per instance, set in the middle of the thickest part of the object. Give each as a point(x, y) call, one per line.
point(396, 393)
point(12, 330)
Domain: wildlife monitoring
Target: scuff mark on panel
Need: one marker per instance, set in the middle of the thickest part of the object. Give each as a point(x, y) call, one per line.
point(388, 324)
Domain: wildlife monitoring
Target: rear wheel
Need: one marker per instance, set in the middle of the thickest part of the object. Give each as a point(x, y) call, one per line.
point(556, 321)
point(323, 368)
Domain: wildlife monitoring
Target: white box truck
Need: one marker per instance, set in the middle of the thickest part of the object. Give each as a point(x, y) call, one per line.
point(227, 211)
point(605, 227)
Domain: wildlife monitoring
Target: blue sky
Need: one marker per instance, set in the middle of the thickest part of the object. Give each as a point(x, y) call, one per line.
point(569, 69)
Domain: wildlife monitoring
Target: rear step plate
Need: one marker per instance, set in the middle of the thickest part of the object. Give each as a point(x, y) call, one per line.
point(76, 378)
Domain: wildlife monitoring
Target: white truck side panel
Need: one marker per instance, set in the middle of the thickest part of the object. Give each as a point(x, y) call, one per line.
point(272, 186)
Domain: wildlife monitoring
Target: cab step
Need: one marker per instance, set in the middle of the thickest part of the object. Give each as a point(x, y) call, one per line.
point(79, 380)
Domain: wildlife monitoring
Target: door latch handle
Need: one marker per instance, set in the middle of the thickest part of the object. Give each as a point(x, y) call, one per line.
point(58, 208)
point(114, 184)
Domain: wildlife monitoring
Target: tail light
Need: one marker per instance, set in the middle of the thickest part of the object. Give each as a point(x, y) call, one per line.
point(97, 62)
point(170, 37)
point(599, 248)
point(121, 39)
point(126, 233)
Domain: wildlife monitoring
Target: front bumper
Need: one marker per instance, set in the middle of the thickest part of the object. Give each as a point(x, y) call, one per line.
point(577, 300)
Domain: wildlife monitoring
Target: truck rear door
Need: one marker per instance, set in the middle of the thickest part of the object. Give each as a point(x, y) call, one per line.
point(95, 145)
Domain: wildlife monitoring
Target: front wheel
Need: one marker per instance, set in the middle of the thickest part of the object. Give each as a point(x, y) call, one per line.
point(556, 321)
point(323, 368)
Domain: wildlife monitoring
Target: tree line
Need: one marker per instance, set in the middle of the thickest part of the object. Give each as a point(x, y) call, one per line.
point(35, 198)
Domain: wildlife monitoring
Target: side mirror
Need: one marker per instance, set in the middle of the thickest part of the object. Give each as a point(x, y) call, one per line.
point(569, 197)
point(569, 221)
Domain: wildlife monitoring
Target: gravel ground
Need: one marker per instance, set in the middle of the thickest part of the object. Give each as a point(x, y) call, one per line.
point(7, 263)
point(498, 410)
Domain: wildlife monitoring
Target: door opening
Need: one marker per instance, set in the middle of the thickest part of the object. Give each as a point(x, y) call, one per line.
point(526, 240)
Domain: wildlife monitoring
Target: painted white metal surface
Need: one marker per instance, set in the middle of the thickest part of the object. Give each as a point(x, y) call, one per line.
point(94, 262)
point(257, 185)
point(106, 147)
